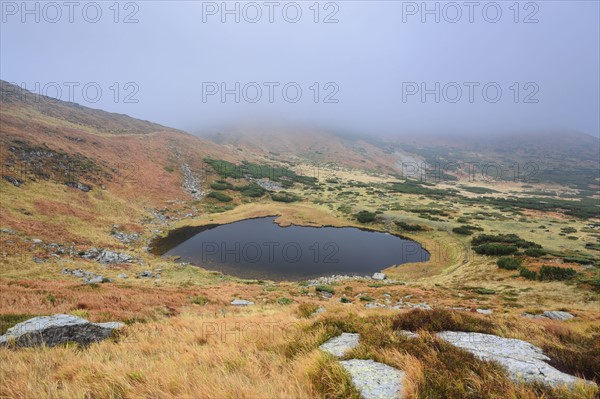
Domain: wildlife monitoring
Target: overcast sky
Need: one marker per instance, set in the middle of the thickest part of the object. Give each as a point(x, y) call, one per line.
point(361, 66)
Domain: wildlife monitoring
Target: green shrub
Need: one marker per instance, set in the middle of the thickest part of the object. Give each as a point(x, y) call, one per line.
point(221, 185)
point(495, 249)
point(219, 196)
point(325, 288)
point(512, 239)
point(366, 298)
point(535, 252)
point(568, 230)
point(508, 263)
point(556, 273)
point(285, 301)
point(345, 300)
point(463, 230)
point(485, 291)
point(200, 300)
point(407, 226)
point(251, 190)
point(528, 274)
point(283, 196)
point(365, 216)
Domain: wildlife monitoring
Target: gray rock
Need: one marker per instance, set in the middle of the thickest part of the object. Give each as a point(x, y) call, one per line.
point(338, 346)
point(374, 305)
point(96, 280)
point(113, 257)
point(56, 330)
point(523, 360)
point(241, 302)
point(87, 277)
point(122, 275)
point(485, 311)
point(80, 186)
point(36, 241)
point(375, 380)
point(13, 180)
point(379, 276)
point(419, 306)
point(558, 315)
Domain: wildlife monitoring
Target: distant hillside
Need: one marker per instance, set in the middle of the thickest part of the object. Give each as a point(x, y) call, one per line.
point(44, 139)
point(15, 100)
point(568, 159)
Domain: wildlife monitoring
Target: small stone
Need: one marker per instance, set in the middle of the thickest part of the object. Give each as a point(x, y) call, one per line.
point(379, 276)
point(36, 241)
point(241, 302)
point(558, 315)
point(374, 305)
point(122, 275)
point(420, 306)
point(485, 311)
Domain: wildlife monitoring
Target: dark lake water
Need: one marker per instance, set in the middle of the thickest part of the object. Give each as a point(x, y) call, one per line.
point(261, 249)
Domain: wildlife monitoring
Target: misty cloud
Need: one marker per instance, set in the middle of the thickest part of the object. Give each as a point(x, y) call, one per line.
point(365, 66)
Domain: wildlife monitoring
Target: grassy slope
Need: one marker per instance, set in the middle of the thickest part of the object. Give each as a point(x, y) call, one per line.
point(170, 348)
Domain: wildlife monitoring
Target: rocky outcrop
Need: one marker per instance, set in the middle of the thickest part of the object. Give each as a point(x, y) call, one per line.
point(87, 277)
point(338, 346)
point(56, 330)
point(190, 183)
point(80, 186)
point(375, 380)
point(113, 257)
point(326, 280)
point(148, 274)
point(522, 360)
point(379, 276)
point(125, 238)
point(106, 256)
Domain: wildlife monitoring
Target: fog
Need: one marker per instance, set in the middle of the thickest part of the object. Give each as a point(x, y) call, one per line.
point(386, 67)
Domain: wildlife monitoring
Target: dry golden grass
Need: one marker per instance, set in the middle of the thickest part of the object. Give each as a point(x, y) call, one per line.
point(190, 356)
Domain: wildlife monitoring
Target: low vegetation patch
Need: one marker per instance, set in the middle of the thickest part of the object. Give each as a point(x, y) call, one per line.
point(306, 309)
point(365, 216)
point(556, 273)
point(325, 288)
point(408, 227)
point(441, 320)
point(509, 263)
point(284, 196)
point(219, 196)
